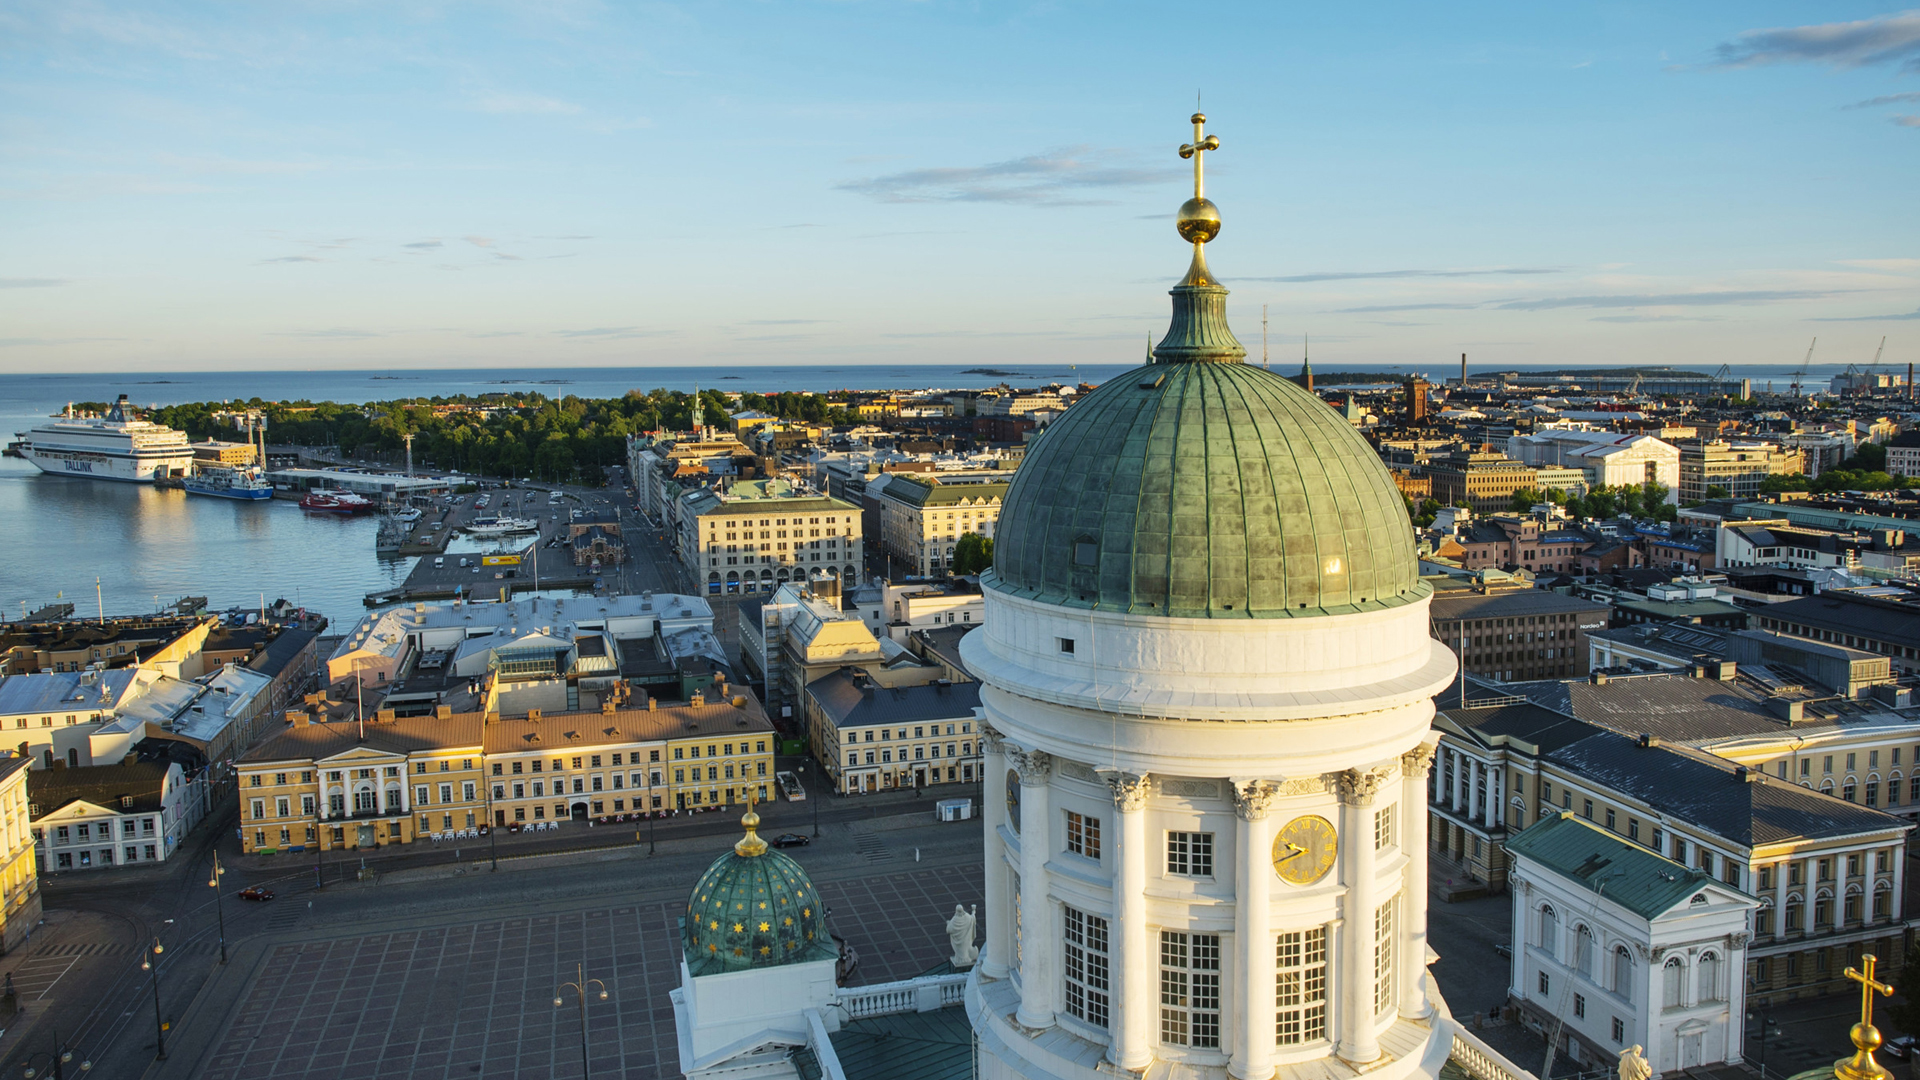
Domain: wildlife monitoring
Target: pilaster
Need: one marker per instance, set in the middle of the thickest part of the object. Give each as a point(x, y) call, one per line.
point(1253, 930)
point(1354, 1021)
point(1136, 998)
point(1037, 955)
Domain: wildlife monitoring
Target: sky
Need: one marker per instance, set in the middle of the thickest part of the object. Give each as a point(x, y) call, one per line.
point(306, 185)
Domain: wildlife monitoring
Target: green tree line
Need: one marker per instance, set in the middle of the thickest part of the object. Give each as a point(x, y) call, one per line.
point(533, 436)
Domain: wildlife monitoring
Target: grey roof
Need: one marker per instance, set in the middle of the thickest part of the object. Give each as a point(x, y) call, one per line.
point(1883, 620)
point(1646, 884)
point(1205, 490)
point(1542, 729)
point(282, 650)
point(103, 785)
point(841, 696)
point(1706, 792)
point(54, 691)
point(1678, 708)
point(1453, 605)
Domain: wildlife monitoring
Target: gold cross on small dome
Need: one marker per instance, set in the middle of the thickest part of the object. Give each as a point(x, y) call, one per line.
point(1866, 1037)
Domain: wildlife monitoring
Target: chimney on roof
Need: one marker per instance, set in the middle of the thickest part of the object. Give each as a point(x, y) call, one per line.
point(297, 717)
point(443, 712)
point(606, 706)
point(492, 717)
point(1645, 741)
point(533, 714)
point(382, 715)
point(1746, 775)
point(697, 699)
point(651, 704)
point(1598, 678)
point(130, 758)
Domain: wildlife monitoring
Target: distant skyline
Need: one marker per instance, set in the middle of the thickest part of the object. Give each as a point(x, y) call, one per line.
point(188, 186)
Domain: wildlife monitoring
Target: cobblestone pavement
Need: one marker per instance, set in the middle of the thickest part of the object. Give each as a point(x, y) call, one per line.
point(476, 1000)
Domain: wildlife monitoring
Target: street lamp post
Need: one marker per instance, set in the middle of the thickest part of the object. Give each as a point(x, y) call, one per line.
point(580, 988)
point(56, 1061)
point(214, 884)
point(151, 962)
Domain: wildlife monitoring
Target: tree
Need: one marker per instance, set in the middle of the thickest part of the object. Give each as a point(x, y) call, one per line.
point(972, 554)
point(1715, 491)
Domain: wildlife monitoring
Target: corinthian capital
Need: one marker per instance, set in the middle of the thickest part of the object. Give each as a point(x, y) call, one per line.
point(1358, 786)
point(991, 741)
point(1253, 799)
point(1417, 761)
point(1034, 766)
point(1129, 789)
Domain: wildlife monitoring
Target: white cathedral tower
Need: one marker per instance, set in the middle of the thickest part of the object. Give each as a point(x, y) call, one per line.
point(1208, 677)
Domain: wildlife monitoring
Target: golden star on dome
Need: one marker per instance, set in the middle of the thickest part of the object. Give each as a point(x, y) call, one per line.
point(737, 928)
point(713, 926)
point(764, 927)
point(788, 921)
point(764, 950)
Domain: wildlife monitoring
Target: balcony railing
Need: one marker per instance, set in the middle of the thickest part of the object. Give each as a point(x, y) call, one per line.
point(924, 994)
point(1483, 1062)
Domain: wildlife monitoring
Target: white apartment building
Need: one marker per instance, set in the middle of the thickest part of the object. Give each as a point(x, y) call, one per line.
point(753, 538)
point(98, 816)
point(1608, 458)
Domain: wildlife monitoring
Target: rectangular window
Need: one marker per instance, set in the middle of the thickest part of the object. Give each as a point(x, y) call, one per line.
point(1383, 828)
point(1086, 967)
point(1383, 940)
point(1300, 987)
point(1580, 1005)
point(1190, 989)
point(1083, 835)
point(1190, 854)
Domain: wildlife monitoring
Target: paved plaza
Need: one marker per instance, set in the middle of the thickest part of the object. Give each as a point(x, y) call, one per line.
point(476, 1000)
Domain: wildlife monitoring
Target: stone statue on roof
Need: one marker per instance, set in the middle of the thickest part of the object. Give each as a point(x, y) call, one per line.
point(960, 934)
point(1633, 1066)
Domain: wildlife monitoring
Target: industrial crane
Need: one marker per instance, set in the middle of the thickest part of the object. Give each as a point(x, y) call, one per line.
point(1802, 373)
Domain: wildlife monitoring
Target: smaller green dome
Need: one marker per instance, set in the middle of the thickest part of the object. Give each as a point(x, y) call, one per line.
point(754, 908)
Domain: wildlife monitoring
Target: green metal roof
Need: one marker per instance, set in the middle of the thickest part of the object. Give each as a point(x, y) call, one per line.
point(1208, 489)
point(753, 911)
point(935, 1045)
point(1646, 884)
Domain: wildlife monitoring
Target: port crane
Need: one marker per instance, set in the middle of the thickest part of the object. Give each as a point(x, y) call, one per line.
point(1801, 374)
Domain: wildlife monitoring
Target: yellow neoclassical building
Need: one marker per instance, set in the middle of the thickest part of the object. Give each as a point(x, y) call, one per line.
point(393, 780)
point(19, 870)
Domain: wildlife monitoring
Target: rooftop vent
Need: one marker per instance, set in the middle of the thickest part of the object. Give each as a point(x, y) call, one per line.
point(1646, 741)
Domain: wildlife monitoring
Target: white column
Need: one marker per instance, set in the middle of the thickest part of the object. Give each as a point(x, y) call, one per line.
point(1353, 1022)
point(1039, 942)
point(1461, 791)
point(1494, 796)
point(1414, 1000)
point(322, 774)
point(996, 954)
point(1252, 998)
point(406, 791)
point(1899, 856)
point(1131, 939)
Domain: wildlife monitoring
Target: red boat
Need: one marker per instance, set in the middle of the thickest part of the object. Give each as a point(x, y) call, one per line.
point(335, 502)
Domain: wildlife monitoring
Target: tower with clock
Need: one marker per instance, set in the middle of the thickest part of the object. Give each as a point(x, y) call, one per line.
point(1207, 681)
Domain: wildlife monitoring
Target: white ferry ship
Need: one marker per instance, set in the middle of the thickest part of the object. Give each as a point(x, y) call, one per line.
point(501, 526)
point(117, 446)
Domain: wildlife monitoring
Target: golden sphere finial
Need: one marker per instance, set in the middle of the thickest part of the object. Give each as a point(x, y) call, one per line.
point(1198, 221)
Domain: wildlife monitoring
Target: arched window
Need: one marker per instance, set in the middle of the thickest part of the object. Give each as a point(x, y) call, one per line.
point(1710, 977)
point(1623, 972)
point(1549, 931)
point(1583, 951)
point(1673, 978)
point(1893, 788)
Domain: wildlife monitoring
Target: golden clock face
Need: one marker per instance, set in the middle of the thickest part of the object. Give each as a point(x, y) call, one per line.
point(1303, 850)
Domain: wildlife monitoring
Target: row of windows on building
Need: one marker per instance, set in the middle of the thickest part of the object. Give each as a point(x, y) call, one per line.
point(1190, 991)
point(87, 832)
point(1710, 984)
point(1190, 854)
point(71, 860)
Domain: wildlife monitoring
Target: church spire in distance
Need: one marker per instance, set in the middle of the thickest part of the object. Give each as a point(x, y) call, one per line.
point(1199, 332)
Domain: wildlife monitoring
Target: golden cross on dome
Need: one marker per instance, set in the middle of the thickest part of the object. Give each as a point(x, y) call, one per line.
point(1197, 149)
point(1866, 1037)
point(750, 844)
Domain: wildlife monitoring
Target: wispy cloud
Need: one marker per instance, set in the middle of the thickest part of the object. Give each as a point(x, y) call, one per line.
point(1895, 265)
point(336, 332)
point(1884, 39)
point(294, 259)
point(1654, 318)
point(1364, 275)
point(423, 245)
point(524, 105)
point(1884, 99)
point(479, 241)
point(1695, 299)
point(1374, 309)
point(17, 342)
point(1065, 177)
point(610, 333)
point(783, 322)
point(1911, 315)
point(32, 282)
point(1907, 120)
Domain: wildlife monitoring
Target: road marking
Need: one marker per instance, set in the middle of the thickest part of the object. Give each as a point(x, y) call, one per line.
point(27, 976)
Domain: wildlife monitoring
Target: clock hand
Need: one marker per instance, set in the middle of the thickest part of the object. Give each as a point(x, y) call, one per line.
point(1295, 853)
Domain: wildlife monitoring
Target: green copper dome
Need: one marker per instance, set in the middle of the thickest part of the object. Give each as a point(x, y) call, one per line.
point(1198, 486)
point(753, 908)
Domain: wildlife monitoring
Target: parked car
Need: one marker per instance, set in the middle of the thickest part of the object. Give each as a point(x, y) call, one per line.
point(255, 892)
point(790, 839)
